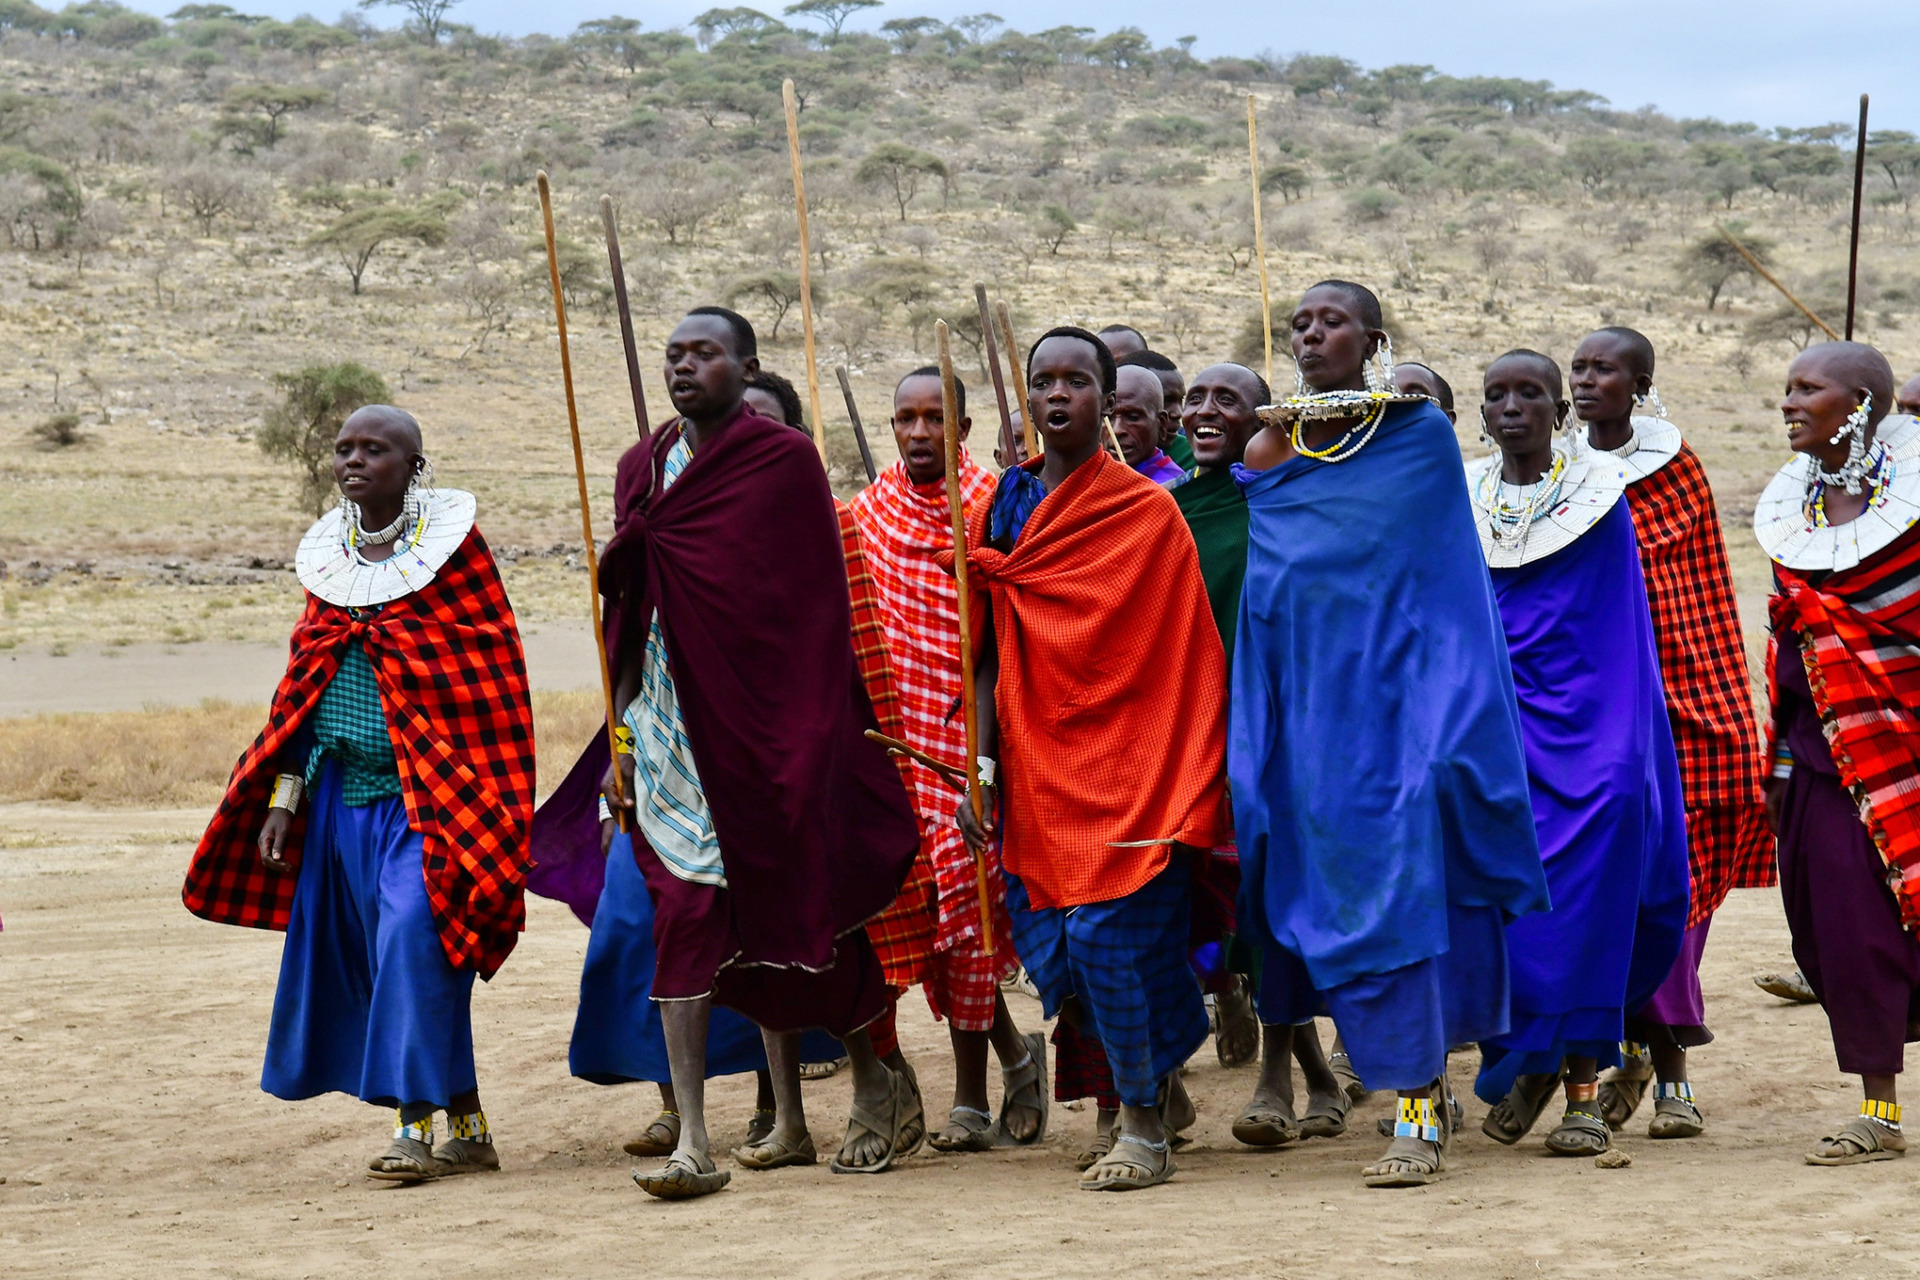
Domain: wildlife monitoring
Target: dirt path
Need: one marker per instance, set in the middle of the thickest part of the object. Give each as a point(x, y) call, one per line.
point(134, 1138)
point(129, 677)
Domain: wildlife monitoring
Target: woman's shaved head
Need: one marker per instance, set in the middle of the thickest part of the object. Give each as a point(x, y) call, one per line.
point(1856, 365)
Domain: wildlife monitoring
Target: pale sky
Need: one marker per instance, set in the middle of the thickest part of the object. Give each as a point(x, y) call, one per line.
point(1768, 61)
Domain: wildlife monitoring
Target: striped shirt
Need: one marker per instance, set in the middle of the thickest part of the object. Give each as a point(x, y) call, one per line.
point(671, 805)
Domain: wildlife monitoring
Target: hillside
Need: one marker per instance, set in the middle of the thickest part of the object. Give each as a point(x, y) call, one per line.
point(176, 196)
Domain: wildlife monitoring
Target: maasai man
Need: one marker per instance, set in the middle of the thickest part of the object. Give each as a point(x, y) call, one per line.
point(1703, 668)
point(1383, 849)
point(773, 829)
point(904, 522)
point(1139, 411)
point(1220, 416)
point(404, 721)
point(1838, 523)
point(1600, 761)
point(1419, 380)
point(1907, 399)
point(1123, 340)
point(1113, 776)
point(1174, 389)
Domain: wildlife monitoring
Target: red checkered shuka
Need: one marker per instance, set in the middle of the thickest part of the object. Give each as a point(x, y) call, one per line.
point(1860, 635)
point(902, 525)
point(453, 685)
point(903, 934)
point(1703, 664)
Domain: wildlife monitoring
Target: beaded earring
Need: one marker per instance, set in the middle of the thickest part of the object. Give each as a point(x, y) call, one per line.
point(1379, 374)
point(1854, 470)
point(1299, 380)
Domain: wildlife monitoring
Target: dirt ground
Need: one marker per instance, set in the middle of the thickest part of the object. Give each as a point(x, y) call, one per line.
point(134, 1137)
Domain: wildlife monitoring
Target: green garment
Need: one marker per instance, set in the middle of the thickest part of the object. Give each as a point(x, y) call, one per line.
point(1176, 447)
point(1216, 512)
point(350, 726)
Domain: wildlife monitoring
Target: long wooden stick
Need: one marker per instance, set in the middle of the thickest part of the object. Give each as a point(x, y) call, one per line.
point(1019, 372)
point(950, 418)
point(806, 268)
point(993, 370)
point(626, 316)
point(1859, 181)
point(1259, 238)
point(1769, 277)
point(853, 416)
point(951, 772)
point(586, 515)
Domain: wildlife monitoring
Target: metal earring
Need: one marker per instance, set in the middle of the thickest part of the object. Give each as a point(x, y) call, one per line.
point(1385, 357)
point(1653, 397)
point(1486, 432)
point(1856, 424)
point(1299, 380)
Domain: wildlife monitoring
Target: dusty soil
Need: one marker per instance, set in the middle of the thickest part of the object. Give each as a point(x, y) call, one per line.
point(133, 1135)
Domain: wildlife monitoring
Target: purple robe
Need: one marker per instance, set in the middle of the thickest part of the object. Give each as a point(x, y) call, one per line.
point(1606, 803)
point(1161, 469)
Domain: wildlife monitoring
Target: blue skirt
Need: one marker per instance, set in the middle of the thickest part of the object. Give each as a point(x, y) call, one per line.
point(1126, 962)
point(617, 1034)
point(368, 1003)
point(1399, 1025)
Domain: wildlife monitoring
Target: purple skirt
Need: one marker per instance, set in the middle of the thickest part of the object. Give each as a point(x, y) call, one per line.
point(1677, 1014)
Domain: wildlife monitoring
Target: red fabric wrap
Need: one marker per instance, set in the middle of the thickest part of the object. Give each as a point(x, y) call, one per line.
point(1099, 599)
point(743, 561)
point(1860, 633)
point(1703, 664)
point(453, 685)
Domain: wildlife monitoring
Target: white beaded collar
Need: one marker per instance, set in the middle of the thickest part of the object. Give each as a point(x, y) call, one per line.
point(1594, 481)
point(1786, 529)
point(1654, 444)
point(338, 574)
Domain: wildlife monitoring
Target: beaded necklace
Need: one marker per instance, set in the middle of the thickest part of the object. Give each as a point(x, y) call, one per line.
point(1319, 406)
point(1510, 524)
point(1878, 474)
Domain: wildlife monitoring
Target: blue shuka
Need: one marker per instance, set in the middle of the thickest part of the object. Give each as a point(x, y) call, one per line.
point(1379, 786)
point(1606, 802)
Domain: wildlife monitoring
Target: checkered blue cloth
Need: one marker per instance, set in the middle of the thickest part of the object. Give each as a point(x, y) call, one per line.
point(1126, 962)
point(350, 725)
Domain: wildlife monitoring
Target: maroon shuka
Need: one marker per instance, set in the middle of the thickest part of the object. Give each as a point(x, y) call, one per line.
point(742, 557)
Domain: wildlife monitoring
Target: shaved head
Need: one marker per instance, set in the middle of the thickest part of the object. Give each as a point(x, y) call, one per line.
point(397, 425)
point(1907, 399)
point(1854, 364)
point(1549, 371)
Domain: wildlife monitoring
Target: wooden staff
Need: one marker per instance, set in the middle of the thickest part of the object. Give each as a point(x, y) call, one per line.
point(1259, 239)
point(853, 416)
point(1859, 180)
point(1769, 277)
point(950, 419)
point(626, 316)
point(951, 772)
point(586, 515)
point(806, 268)
point(1019, 372)
point(993, 370)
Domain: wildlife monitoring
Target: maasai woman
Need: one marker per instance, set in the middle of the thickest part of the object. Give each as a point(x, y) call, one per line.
point(1379, 788)
point(1838, 522)
point(1703, 667)
point(1600, 762)
point(404, 723)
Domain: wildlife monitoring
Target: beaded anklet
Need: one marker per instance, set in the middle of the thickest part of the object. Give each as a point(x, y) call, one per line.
point(472, 1127)
point(1681, 1090)
point(420, 1130)
point(1417, 1120)
point(1885, 1114)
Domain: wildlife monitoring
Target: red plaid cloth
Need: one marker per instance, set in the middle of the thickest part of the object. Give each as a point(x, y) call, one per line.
point(1860, 636)
point(964, 985)
point(453, 685)
point(1703, 664)
point(903, 525)
point(1081, 1069)
point(902, 934)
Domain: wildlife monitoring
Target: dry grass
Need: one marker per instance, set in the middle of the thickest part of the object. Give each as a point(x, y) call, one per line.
point(179, 757)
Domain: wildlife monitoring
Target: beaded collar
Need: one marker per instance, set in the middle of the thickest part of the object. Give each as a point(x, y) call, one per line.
point(1655, 442)
point(1589, 483)
point(1791, 535)
point(337, 573)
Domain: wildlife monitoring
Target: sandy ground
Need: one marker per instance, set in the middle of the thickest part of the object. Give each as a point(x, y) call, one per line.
point(129, 677)
point(133, 1136)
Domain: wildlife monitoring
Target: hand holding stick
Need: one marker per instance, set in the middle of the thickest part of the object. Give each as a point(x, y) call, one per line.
point(586, 515)
point(950, 417)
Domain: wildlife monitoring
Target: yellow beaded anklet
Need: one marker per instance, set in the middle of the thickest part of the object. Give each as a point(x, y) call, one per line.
point(1417, 1120)
point(1883, 1113)
point(420, 1130)
point(472, 1127)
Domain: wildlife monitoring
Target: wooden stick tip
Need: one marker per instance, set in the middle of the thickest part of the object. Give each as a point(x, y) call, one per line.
point(540, 180)
point(606, 205)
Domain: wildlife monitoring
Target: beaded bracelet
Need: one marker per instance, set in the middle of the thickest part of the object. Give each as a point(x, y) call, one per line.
point(286, 792)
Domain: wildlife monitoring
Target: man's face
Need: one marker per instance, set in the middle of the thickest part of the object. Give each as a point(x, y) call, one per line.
point(704, 375)
point(1219, 416)
point(1065, 396)
point(919, 428)
point(1137, 408)
point(1173, 393)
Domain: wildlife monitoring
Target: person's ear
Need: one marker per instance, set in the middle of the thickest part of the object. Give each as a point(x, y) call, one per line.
point(750, 365)
point(1642, 383)
point(966, 425)
point(1564, 407)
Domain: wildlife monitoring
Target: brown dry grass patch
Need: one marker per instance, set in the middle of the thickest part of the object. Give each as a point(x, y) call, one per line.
point(179, 757)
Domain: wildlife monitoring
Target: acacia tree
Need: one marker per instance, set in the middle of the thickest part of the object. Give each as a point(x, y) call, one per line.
point(1711, 263)
point(301, 428)
point(429, 14)
point(356, 235)
point(900, 169)
point(779, 289)
point(832, 12)
point(272, 101)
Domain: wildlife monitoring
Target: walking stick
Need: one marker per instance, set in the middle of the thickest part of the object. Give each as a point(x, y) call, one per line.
point(806, 268)
point(626, 316)
point(1019, 373)
point(853, 416)
point(993, 369)
point(1853, 245)
point(950, 419)
point(1259, 239)
point(586, 515)
point(1768, 276)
